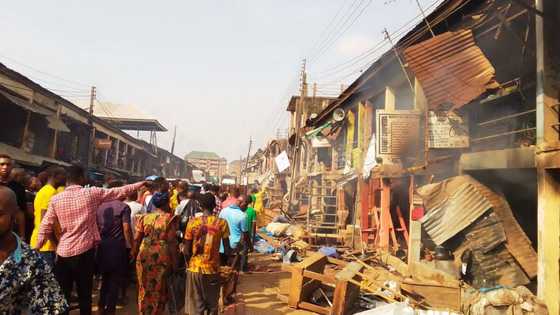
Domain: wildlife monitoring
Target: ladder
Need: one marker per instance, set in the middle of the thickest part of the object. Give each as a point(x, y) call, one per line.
point(324, 219)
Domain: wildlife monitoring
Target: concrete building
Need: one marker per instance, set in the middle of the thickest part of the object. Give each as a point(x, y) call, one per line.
point(211, 163)
point(235, 167)
point(40, 128)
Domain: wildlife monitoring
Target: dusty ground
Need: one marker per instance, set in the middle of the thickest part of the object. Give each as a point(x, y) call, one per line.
point(260, 290)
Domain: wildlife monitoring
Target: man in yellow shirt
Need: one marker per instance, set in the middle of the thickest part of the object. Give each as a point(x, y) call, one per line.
point(203, 237)
point(56, 181)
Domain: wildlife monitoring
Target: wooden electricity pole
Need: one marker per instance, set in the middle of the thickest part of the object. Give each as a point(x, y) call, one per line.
point(92, 97)
point(173, 142)
point(247, 160)
point(295, 154)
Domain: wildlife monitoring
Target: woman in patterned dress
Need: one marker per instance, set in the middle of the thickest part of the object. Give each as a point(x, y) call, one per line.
point(155, 252)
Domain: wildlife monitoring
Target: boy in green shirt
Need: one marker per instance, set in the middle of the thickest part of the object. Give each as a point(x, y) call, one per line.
point(251, 220)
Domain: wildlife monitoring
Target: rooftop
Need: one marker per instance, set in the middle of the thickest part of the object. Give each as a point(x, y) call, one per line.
point(316, 103)
point(126, 117)
point(202, 155)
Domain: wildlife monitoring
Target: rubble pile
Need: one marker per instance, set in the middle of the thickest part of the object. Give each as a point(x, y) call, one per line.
point(477, 260)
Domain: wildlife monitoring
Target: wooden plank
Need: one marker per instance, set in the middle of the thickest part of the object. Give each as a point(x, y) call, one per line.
point(318, 276)
point(436, 296)
point(349, 272)
point(314, 262)
point(338, 262)
point(314, 308)
point(297, 287)
point(423, 272)
point(346, 292)
point(341, 299)
point(385, 217)
point(396, 263)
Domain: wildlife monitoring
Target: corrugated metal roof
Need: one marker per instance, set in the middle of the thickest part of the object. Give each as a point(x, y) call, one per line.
point(487, 233)
point(451, 68)
point(445, 10)
point(202, 155)
point(492, 262)
point(518, 244)
point(26, 104)
point(452, 205)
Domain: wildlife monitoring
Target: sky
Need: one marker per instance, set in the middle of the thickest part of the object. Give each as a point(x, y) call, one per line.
point(221, 71)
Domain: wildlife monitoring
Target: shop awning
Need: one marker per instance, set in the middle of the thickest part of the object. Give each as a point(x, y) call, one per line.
point(27, 158)
point(25, 104)
point(57, 124)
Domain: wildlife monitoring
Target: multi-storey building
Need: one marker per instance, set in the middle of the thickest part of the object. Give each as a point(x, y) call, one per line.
point(211, 163)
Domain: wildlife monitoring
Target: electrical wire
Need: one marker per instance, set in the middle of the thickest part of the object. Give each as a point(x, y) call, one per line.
point(103, 104)
point(77, 83)
point(356, 64)
point(366, 54)
point(411, 39)
point(335, 28)
point(324, 32)
point(346, 27)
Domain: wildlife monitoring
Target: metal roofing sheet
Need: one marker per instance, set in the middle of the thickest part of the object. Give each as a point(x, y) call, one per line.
point(452, 205)
point(26, 104)
point(491, 261)
point(518, 244)
point(451, 68)
point(456, 203)
point(57, 124)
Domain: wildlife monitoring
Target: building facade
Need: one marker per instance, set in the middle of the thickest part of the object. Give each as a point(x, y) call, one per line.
point(463, 98)
point(40, 128)
point(212, 164)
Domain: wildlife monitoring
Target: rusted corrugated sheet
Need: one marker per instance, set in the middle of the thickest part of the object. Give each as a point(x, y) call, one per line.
point(491, 261)
point(452, 205)
point(451, 68)
point(456, 203)
point(518, 244)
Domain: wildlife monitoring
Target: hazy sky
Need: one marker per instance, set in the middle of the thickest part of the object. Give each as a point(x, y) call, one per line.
point(219, 70)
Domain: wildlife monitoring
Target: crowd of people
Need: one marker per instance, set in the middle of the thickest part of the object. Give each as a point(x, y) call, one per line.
point(72, 233)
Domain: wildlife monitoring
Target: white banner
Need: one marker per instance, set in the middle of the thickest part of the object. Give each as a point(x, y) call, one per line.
point(369, 161)
point(282, 161)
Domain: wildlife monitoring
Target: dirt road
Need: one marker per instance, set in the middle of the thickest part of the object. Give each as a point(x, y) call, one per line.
point(260, 290)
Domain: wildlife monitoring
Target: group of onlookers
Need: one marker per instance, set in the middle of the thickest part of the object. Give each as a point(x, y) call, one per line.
point(151, 228)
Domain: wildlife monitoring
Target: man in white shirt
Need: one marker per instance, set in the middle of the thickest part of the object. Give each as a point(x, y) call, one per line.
point(135, 208)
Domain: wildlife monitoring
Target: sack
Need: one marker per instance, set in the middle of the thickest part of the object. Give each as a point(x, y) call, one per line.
point(176, 283)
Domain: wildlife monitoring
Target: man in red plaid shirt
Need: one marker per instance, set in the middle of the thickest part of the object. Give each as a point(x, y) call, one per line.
point(74, 210)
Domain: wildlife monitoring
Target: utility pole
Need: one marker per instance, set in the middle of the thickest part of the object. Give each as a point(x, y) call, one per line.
point(547, 51)
point(240, 161)
point(425, 19)
point(247, 160)
point(314, 90)
point(388, 37)
point(92, 97)
point(295, 156)
point(173, 143)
